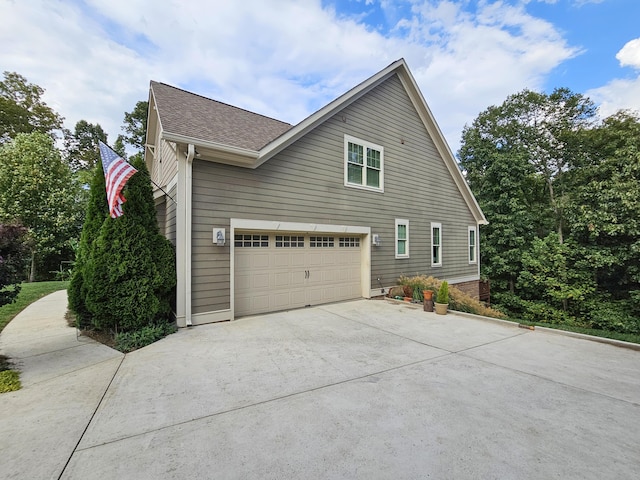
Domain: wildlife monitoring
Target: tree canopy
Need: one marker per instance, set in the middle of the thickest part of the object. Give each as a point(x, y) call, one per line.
point(38, 190)
point(562, 197)
point(22, 109)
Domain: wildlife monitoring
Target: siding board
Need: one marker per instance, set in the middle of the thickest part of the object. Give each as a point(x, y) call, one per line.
point(305, 183)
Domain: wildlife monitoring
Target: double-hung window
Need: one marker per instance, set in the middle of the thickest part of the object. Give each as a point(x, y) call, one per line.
point(402, 238)
point(363, 164)
point(436, 245)
point(473, 245)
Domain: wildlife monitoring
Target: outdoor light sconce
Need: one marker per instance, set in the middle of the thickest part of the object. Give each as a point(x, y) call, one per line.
point(219, 237)
point(376, 241)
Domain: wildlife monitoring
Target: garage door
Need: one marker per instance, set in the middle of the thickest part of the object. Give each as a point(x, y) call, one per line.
point(276, 271)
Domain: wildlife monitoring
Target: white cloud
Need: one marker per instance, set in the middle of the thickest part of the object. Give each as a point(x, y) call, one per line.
point(280, 58)
point(621, 93)
point(629, 56)
point(472, 60)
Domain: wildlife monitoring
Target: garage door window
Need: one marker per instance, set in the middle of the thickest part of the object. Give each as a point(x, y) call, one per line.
point(251, 240)
point(287, 241)
point(349, 242)
point(321, 242)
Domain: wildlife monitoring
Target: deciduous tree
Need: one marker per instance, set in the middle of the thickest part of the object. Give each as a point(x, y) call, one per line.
point(38, 190)
point(22, 109)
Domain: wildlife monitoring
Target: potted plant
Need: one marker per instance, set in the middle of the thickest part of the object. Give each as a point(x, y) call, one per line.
point(427, 295)
point(408, 293)
point(442, 299)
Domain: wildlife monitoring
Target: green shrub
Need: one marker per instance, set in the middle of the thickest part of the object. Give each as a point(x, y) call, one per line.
point(97, 212)
point(129, 341)
point(613, 316)
point(9, 381)
point(458, 300)
point(443, 293)
point(131, 276)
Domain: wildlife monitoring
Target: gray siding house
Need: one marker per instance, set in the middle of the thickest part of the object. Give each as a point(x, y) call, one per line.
point(267, 216)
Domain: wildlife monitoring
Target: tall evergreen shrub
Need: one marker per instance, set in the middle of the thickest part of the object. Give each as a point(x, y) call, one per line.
point(131, 277)
point(97, 212)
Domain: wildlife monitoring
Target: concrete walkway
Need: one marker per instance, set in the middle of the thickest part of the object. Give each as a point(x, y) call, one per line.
point(363, 390)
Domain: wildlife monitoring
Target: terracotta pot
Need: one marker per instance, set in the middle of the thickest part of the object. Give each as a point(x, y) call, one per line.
point(441, 308)
point(407, 299)
point(428, 294)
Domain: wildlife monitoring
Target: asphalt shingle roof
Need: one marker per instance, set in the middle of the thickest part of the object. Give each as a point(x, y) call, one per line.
point(195, 116)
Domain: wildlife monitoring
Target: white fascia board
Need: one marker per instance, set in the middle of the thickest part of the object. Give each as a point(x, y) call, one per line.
point(327, 111)
point(249, 155)
point(441, 144)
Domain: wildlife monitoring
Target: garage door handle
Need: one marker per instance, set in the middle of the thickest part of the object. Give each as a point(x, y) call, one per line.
point(307, 274)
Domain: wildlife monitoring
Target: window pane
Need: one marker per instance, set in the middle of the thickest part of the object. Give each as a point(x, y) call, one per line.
point(373, 158)
point(373, 178)
point(436, 236)
point(436, 254)
point(402, 247)
point(356, 153)
point(354, 174)
point(402, 232)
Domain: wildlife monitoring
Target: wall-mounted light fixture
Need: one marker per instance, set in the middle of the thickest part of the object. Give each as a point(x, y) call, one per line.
point(219, 236)
point(376, 241)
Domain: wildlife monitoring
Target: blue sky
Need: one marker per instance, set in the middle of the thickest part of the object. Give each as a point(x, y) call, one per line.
point(287, 58)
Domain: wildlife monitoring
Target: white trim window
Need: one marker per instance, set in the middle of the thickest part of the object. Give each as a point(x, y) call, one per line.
point(363, 164)
point(473, 245)
point(436, 244)
point(402, 238)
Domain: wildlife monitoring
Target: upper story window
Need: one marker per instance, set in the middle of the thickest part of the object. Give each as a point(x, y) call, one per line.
point(436, 245)
point(402, 238)
point(363, 164)
point(472, 245)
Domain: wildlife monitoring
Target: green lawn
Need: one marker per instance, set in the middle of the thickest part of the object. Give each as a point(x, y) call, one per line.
point(29, 293)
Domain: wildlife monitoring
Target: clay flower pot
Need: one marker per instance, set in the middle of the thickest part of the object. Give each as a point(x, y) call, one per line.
point(428, 295)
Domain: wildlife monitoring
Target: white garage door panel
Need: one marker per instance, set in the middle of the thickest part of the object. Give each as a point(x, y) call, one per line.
point(270, 278)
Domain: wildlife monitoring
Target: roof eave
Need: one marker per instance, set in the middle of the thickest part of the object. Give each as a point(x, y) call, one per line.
point(441, 144)
point(308, 124)
point(216, 152)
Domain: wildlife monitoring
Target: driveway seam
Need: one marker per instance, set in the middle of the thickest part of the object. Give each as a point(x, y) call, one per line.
point(71, 371)
point(256, 404)
point(75, 448)
point(423, 343)
point(548, 379)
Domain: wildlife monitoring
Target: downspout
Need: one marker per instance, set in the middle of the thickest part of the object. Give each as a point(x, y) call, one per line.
point(191, 153)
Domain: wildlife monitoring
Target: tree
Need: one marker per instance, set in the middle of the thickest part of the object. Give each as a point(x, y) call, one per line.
point(22, 109)
point(604, 214)
point(97, 212)
point(131, 277)
point(13, 250)
point(135, 128)
point(81, 146)
point(38, 190)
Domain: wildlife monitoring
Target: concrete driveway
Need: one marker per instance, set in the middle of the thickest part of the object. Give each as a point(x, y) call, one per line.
point(362, 390)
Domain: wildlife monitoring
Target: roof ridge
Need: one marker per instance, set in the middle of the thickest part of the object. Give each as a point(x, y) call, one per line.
point(221, 103)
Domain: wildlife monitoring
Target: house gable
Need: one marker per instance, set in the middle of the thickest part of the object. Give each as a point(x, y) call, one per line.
point(297, 183)
point(305, 182)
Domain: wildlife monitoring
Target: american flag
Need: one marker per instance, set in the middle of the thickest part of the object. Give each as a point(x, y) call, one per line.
point(116, 174)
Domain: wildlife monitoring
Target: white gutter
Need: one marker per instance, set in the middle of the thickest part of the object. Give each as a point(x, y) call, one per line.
point(191, 153)
point(177, 138)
